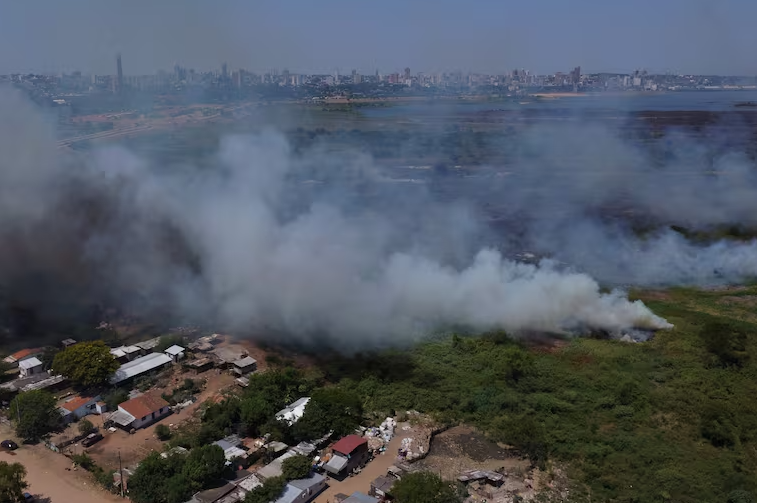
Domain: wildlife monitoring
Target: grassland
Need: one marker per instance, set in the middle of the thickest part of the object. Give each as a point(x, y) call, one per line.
point(673, 419)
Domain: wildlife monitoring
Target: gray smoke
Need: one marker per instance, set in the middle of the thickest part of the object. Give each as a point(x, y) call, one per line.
point(234, 244)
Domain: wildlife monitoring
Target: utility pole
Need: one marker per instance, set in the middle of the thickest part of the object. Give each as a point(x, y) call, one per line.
point(121, 472)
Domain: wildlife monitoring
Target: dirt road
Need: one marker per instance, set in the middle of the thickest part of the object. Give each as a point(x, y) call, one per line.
point(49, 481)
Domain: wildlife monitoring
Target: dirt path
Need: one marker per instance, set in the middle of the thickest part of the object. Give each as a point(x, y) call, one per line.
point(362, 481)
point(49, 481)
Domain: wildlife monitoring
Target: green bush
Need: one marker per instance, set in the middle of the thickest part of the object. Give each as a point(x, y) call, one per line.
point(163, 432)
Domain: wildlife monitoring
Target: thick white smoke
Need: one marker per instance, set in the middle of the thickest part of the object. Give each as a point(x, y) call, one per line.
point(224, 243)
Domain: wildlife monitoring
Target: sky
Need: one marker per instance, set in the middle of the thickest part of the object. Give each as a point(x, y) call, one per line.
point(309, 36)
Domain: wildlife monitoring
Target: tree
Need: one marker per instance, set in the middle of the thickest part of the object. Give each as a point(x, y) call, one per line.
point(269, 491)
point(204, 465)
point(147, 484)
point(36, 414)
point(331, 408)
point(296, 467)
point(12, 482)
point(115, 398)
point(727, 342)
point(423, 487)
point(163, 432)
point(86, 363)
point(86, 427)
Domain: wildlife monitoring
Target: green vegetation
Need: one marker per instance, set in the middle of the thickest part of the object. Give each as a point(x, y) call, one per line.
point(115, 398)
point(87, 364)
point(35, 413)
point(103, 477)
point(424, 487)
point(163, 432)
point(167, 341)
point(187, 390)
point(673, 419)
point(269, 491)
point(12, 482)
point(86, 427)
point(296, 467)
point(174, 479)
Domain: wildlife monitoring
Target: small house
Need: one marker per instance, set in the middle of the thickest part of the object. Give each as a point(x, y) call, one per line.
point(67, 343)
point(176, 353)
point(227, 355)
point(29, 367)
point(293, 412)
point(302, 490)
point(244, 366)
point(78, 407)
point(381, 486)
point(199, 365)
point(348, 453)
point(140, 412)
point(358, 497)
point(22, 355)
point(232, 447)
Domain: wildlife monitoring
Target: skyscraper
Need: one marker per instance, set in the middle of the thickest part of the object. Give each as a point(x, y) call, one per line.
point(119, 75)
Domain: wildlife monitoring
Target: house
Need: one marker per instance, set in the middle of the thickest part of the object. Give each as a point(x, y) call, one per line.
point(228, 493)
point(148, 346)
point(227, 355)
point(126, 353)
point(67, 343)
point(134, 368)
point(486, 476)
point(176, 352)
point(29, 367)
point(140, 412)
point(293, 412)
point(101, 407)
point(248, 483)
point(274, 468)
point(231, 446)
point(348, 453)
point(19, 356)
point(78, 407)
point(200, 365)
point(381, 486)
point(303, 490)
point(358, 497)
point(244, 366)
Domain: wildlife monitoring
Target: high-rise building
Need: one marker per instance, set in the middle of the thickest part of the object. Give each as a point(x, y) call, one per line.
point(119, 75)
point(224, 70)
point(407, 73)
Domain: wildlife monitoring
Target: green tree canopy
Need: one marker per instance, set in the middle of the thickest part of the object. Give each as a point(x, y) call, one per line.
point(332, 408)
point(86, 426)
point(160, 480)
point(12, 482)
point(423, 487)
point(163, 432)
point(296, 467)
point(86, 363)
point(35, 413)
point(269, 491)
point(204, 465)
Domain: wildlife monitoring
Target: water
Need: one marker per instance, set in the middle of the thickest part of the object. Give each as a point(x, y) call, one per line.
point(715, 101)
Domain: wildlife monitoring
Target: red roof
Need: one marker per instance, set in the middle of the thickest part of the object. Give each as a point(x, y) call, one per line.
point(347, 445)
point(77, 402)
point(25, 352)
point(143, 405)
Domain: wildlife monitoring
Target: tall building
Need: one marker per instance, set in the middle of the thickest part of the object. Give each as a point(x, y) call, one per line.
point(224, 70)
point(119, 75)
point(407, 73)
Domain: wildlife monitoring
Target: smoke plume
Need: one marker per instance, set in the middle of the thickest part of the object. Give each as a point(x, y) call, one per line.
point(238, 243)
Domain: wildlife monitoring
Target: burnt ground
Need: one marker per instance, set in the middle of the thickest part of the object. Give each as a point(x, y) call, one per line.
point(463, 448)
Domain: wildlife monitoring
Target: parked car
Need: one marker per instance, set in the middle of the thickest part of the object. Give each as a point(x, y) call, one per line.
point(9, 444)
point(28, 497)
point(91, 439)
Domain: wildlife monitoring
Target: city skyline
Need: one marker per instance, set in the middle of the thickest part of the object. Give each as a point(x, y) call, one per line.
point(677, 36)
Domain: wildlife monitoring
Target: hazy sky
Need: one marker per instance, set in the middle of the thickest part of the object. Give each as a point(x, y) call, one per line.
point(698, 36)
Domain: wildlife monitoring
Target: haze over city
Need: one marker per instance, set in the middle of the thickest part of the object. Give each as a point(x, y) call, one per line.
point(678, 36)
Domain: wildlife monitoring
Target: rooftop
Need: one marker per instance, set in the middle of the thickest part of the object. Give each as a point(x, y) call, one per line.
point(245, 362)
point(18, 355)
point(174, 350)
point(76, 402)
point(230, 354)
point(29, 363)
point(143, 405)
point(358, 497)
point(139, 366)
point(346, 445)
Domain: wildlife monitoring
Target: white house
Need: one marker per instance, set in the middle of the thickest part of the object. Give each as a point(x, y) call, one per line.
point(245, 365)
point(140, 412)
point(78, 407)
point(29, 367)
point(175, 352)
point(139, 366)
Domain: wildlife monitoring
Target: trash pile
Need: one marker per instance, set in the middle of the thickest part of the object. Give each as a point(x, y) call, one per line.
point(379, 437)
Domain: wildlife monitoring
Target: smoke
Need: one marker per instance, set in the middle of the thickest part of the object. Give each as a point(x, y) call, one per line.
point(245, 244)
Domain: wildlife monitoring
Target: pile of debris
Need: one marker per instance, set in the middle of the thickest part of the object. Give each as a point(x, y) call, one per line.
point(379, 437)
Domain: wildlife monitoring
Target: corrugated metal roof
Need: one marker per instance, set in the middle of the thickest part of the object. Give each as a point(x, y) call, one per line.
point(174, 350)
point(140, 366)
point(29, 363)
